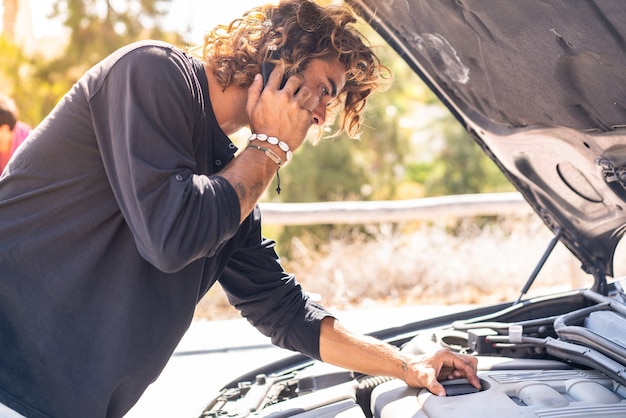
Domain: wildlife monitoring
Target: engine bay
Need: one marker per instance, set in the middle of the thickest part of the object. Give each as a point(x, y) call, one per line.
point(562, 355)
point(511, 388)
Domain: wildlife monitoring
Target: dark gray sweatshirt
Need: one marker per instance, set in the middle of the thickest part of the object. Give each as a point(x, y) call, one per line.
point(113, 225)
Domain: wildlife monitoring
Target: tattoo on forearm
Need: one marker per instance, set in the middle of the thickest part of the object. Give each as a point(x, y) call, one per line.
point(249, 197)
point(256, 190)
point(241, 191)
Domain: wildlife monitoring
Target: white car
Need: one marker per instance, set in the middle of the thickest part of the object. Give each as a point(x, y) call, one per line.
point(541, 87)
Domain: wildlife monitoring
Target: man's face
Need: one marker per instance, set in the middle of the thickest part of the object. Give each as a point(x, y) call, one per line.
point(325, 80)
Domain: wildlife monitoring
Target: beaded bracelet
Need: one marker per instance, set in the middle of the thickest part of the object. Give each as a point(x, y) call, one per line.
point(273, 141)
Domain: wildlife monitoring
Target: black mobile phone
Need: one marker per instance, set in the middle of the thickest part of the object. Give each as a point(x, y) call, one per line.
point(266, 70)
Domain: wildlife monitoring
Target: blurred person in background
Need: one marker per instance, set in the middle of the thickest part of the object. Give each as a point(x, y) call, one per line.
point(129, 201)
point(12, 131)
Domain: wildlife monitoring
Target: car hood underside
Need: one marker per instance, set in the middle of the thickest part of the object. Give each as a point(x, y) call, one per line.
point(541, 86)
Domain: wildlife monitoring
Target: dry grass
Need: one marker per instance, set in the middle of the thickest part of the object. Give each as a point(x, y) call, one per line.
point(428, 265)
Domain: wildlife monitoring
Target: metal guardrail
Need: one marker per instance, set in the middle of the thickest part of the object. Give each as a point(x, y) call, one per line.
point(364, 212)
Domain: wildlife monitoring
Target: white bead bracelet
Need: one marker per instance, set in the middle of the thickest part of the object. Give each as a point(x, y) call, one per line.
point(273, 141)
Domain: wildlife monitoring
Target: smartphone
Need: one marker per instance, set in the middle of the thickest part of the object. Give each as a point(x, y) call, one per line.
point(266, 70)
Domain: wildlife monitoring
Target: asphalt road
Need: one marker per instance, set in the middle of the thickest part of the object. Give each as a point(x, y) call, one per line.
point(212, 353)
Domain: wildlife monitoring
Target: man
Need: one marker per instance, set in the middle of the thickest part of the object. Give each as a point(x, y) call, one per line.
point(129, 202)
point(12, 130)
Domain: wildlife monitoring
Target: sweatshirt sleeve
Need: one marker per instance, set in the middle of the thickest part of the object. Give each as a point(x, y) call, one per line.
point(146, 112)
point(269, 298)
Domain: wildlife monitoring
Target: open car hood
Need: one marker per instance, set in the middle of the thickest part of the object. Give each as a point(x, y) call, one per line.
point(541, 86)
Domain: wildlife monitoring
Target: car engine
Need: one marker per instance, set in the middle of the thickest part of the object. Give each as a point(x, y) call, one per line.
point(562, 355)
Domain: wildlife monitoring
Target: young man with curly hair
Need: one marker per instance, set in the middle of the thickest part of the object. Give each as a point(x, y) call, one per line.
point(130, 201)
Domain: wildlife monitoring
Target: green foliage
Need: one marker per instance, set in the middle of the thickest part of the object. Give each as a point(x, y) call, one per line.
point(28, 81)
point(97, 28)
point(100, 27)
point(323, 172)
point(459, 167)
point(326, 171)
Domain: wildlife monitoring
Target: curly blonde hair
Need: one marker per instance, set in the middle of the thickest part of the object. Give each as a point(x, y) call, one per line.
point(296, 32)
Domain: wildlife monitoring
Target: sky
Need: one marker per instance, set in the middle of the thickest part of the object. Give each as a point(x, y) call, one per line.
point(193, 17)
point(189, 17)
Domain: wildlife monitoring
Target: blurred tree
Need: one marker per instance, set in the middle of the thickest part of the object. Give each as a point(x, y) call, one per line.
point(386, 140)
point(17, 80)
point(323, 172)
point(459, 166)
point(98, 27)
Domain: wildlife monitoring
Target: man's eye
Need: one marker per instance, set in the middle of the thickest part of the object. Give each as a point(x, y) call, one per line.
point(324, 91)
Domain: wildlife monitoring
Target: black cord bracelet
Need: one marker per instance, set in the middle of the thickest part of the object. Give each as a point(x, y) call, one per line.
point(272, 156)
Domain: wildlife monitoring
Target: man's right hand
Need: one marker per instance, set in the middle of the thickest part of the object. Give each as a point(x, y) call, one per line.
point(279, 112)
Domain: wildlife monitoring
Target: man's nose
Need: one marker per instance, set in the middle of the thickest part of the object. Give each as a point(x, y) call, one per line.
point(319, 113)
